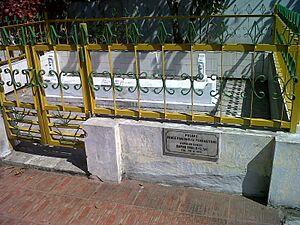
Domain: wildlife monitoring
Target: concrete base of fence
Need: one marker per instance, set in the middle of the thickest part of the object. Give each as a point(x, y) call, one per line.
point(285, 182)
point(5, 146)
point(244, 164)
point(103, 149)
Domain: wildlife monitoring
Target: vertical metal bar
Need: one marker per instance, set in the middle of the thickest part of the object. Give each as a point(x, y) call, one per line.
point(33, 61)
point(66, 30)
point(58, 39)
point(296, 103)
point(41, 32)
point(85, 69)
point(285, 76)
point(164, 80)
point(11, 69)
point(137, 72)
point(274, 31)
point(126, 32)
point(221, 83)
point(58, 71)
point(112, 78)
point(2, 93)
point(285, 103)
point(192, 83)
point(252, 82)
point(30, 65)
point(4, 114)
point(47, 28)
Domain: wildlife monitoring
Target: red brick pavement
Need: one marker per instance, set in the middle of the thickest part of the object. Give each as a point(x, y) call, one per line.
point(29, 196)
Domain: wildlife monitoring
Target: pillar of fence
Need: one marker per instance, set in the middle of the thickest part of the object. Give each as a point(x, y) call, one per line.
point(5, 146)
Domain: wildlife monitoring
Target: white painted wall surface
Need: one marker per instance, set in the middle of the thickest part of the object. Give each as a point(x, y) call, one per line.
point(244, 164)
point(103, 149)
point(285, 182)
point(235, 64)
point(5, 146)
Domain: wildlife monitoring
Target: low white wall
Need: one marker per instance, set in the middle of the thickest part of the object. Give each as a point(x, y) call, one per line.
point(285, 182)
point(244, 164)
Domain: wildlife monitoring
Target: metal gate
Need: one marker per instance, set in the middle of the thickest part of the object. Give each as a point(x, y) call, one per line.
point(28, 114)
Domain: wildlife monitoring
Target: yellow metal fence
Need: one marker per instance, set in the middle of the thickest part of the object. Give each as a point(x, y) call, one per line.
point(51, 112)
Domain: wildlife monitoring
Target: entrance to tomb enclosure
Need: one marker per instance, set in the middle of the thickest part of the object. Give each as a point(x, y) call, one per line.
point(228, 69)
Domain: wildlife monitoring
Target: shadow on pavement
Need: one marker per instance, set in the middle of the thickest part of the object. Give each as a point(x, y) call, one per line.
point(75, 156)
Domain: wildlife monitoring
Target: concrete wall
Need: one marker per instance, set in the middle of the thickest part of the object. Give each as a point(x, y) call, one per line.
point(103, 149)
point(250, 162)
point(5, 146)
point(237, 26)
point(244, 164)
point(285, 182)
point(107, 8)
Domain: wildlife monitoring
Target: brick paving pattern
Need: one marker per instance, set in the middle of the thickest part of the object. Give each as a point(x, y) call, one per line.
point(29, 196)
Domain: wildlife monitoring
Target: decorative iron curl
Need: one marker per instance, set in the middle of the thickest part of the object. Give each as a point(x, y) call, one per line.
point(221, 90)
point(68, 141)
point(64, 120)
point(192, 88)
point(27, 136)
point(77, 74)
point(1, 81)
point(290, 96)
point(138, 86)
point(19, 117)
point(112, 82)
point(59, 80)
point(106, 88)
point(260, 78)
point(12, 74)
point(91, 81)
point(117, 87)
point(36, 79)
point(170, 91)
point(39, 78)
point(29, 80)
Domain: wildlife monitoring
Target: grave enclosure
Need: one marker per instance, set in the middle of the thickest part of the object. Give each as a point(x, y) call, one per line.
point(209, 112)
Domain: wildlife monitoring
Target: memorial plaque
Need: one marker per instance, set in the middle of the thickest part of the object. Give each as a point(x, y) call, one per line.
point(191, 144)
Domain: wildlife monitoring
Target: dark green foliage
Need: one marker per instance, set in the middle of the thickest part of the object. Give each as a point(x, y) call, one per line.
point(197, 8)
point(206, 7)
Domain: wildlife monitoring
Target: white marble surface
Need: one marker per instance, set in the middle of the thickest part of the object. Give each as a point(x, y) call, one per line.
point(103, 149)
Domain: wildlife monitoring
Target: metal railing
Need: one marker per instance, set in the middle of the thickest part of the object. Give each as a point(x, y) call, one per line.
point(226, 69)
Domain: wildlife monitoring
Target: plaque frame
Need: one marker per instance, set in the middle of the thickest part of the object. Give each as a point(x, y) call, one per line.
point(167, 152)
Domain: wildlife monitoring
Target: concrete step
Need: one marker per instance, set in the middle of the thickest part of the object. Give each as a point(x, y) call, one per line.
point(31, 155)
